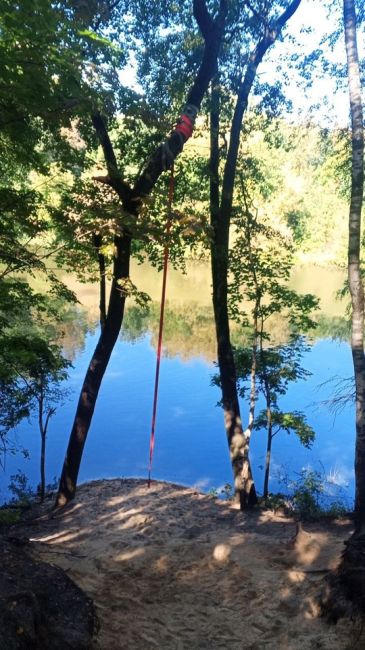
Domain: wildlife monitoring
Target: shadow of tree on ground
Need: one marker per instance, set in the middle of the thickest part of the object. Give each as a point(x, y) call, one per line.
point(171, 568)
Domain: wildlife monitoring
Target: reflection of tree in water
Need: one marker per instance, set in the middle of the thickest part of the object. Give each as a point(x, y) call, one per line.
point(277, 326)
point(77, 322)
point(188, 329)
point(333, 327)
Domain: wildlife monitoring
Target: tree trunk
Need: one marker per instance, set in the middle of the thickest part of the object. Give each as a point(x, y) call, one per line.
point(131, 199)
point(268, 448)
point(238, 448)
point(354, 261)
point(255, 314)
point(221, 211)
point(43, 449)
point(346, 595)
point(95, 373)
point(97, 239)
point(252, 402)
point(42, 490)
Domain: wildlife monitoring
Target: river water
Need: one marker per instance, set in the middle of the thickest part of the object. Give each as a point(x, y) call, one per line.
point(190, 440)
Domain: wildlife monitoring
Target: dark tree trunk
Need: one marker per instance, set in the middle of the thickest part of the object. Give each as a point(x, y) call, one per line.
point(43, 468)
point(255, 313)
point(131, 199)
point(43, 450)
point(268, 446)
point(238, 449)
point(43, 428)
point(102, 280)
point(221, 211)
point(95, 372)
point(267, 395)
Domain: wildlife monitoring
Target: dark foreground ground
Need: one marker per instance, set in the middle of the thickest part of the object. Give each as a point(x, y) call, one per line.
point(41, 608)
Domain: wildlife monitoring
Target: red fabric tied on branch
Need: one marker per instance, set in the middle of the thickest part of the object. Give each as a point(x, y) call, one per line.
point(185, 126)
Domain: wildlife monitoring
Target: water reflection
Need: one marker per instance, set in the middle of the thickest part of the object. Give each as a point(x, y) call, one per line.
point(189, 326)
point(190, 445)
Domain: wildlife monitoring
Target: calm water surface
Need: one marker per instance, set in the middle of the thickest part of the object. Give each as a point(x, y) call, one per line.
point(190, 439)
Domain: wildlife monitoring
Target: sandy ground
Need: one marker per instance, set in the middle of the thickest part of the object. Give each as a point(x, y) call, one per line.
point(170, 568)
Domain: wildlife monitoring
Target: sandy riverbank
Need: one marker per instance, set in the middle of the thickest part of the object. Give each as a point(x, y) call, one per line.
point(171, 568)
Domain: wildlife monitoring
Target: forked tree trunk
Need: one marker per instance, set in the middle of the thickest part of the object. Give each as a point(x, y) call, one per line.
point(43, 423)
point(131, 199)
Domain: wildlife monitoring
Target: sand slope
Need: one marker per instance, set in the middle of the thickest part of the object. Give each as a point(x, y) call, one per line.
point(170, 568)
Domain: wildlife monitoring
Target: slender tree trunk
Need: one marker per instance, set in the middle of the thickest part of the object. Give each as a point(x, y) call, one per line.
point(43, 467)
point(354, 262)
point(268, 447)
point(237, 443)
point(43, 449)
point(221, 211)
point(255, 314)
point(131, 199)
point(268, 400)
point(102, 279)
point(252, 402)
point(349, 579)
point(43, 428)
point(238, 449)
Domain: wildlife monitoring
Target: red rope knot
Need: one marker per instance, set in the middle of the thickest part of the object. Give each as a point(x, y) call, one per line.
point(185, 126)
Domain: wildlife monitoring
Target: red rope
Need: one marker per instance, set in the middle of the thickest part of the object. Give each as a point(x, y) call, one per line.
point(185, 126)
point(162, 313)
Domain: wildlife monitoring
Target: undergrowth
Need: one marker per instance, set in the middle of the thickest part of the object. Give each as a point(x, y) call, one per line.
point(22, 498)
point(309, 497)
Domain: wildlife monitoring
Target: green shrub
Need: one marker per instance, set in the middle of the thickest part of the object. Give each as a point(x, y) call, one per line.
point(9, 516)
point(306, 495)
point(20, 488)
point(310, 496)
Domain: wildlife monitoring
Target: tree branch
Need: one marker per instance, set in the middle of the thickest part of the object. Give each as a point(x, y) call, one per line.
point(203, 18)
point(253, 10)
point(242, 100)
point(287, 14)
point(114, 178)
point(166, 153)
